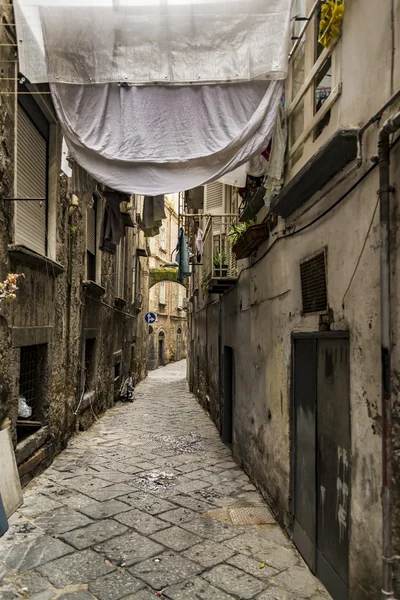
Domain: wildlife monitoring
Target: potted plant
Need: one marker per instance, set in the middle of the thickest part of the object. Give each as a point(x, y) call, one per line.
point(220, 263)
point(246, 237)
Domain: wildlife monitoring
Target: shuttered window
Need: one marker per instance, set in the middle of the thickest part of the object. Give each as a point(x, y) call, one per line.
point(162, 293)
point(31, 179)
point(214, 197)
point(120, 266)
point(91, 219)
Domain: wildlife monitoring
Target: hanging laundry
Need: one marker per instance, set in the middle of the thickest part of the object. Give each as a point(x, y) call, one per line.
point(153, 214)
point(82, 184)
point(199, 244)
point(257, 166)
point(274, 180)
point(112, 225)
point(182, 256)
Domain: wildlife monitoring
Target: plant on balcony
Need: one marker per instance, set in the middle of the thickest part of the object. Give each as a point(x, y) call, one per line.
point(220, 263)
point(246, 237)
point(237, 231)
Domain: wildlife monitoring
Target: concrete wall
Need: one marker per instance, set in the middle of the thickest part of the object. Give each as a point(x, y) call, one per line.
point(264, 309)
point(54, 308)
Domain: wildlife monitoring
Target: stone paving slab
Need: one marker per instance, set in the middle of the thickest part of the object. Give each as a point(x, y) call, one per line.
point(102, 510)
point(27, 556)
point(234, 581)
point(93, 534)
point(114, 586)
point(128, 549)
point(61, 520)
point(195, 588)
point(164, 570)
point(149, 500)
point(141, 521)
point(79, 567)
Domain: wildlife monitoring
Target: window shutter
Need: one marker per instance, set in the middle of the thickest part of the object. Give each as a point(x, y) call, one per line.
point(31, 176)
point(214, 197)
point(162, 292)
point(91, 229)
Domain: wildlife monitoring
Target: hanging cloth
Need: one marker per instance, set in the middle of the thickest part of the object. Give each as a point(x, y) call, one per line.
point(182, 256)
point(155, 140)
point(112, 226)
point(199, 244)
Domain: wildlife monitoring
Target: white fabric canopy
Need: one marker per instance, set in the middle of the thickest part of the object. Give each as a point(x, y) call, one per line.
point(156, 140)
point(143, 42)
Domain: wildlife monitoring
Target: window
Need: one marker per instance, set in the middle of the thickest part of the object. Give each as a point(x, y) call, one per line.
point(90, 364)
point(91, 239)
point(163, 238)
point(120, 267)
point(180, 297)
point(312, 86)
point(32, 178)
point(31, 379)
point(313, 283)
point(162, 293)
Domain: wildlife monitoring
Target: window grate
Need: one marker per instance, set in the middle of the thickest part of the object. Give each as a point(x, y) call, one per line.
point(28, 376)
point(313, 284)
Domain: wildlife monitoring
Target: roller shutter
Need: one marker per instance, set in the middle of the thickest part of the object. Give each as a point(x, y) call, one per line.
point(31, 179)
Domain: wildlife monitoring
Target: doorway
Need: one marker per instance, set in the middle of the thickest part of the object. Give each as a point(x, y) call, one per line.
point(321, 456)
point(179, 344)
point(228, 392)
point(161, 353)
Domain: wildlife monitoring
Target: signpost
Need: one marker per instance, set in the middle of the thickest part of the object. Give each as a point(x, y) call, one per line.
point(150, 318)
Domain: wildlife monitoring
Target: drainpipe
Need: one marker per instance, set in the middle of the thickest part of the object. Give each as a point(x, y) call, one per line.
point(390, 126)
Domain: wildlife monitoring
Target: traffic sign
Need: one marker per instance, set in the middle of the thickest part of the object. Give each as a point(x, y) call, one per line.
point(150, 318)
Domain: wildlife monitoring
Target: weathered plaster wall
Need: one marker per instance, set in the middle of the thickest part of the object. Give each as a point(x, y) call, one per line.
point(258, 318)
point(53, 308)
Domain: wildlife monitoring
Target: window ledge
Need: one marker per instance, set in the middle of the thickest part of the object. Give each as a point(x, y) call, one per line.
point(93, 288)
point(32, 259)
point(120, 302)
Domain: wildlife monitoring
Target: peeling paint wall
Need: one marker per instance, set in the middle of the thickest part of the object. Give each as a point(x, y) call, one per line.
point(264, 309)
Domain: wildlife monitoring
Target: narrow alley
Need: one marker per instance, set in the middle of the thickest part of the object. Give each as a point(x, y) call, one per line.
point(148, 503)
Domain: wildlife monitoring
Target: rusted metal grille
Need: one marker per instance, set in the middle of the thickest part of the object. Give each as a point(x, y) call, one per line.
point(313, 284)
point(28, 376)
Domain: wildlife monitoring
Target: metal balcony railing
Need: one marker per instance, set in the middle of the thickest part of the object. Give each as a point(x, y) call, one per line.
point(218, 258)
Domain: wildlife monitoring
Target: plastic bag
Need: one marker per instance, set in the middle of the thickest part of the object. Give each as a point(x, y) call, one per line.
point(24, 410)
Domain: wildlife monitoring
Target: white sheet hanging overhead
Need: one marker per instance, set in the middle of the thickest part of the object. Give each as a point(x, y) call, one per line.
point(156, 140)
point(142, 42)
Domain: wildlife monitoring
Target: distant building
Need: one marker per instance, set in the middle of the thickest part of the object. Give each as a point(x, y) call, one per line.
point(167, 299)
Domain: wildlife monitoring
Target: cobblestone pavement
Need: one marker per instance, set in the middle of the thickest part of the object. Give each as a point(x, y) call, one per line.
point(149, 503)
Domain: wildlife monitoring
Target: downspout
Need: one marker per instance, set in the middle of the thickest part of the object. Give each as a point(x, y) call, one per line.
point(390, 126)
point(220, 364)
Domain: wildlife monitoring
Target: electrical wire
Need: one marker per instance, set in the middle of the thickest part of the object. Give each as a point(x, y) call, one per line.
point(323, 214)
point(361, 253)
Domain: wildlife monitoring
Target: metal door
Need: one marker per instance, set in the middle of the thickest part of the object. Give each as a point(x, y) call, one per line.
point(333, 427)
point(321, 456)
point(304, 448)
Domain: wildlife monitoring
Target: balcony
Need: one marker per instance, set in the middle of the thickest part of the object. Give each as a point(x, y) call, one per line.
point(219, 262)
point(318, 147)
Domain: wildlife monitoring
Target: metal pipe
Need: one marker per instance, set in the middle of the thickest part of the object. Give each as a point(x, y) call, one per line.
point(390, 126)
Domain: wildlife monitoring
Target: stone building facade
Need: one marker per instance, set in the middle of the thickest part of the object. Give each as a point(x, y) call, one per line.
point(74, 332)
point(167, 299)
point(288, 359)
